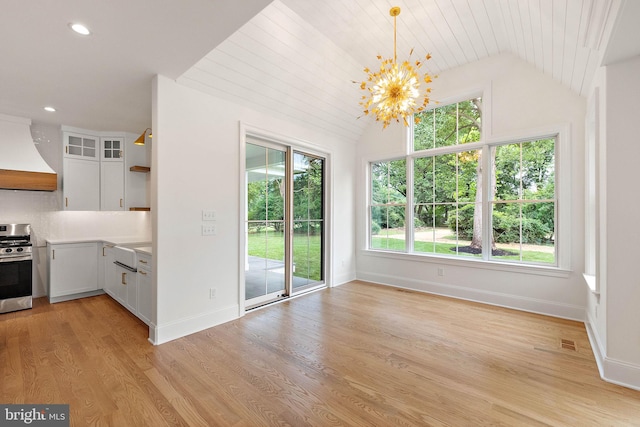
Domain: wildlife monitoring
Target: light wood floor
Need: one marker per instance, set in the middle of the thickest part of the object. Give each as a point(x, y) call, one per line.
point(356, 355)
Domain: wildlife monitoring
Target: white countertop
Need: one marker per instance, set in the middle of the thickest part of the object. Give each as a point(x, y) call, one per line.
point(116, 241)
point(138, 244)
point(143, 250)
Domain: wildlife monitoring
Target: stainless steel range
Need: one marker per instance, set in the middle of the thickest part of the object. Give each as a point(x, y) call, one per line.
point(16, 257)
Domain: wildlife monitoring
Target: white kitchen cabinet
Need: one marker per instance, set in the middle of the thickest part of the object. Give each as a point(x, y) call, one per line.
point(119, 279)
point(81, 146)
point(72, 270)
point(81, 184)
point(112, 186)
point(131, 282)
point(125, 285)
point(145, 293)
point(112, 174)
point(109, 280)
point(111, 149)
point(81, 172)
point(104, 181)
point(122, 279)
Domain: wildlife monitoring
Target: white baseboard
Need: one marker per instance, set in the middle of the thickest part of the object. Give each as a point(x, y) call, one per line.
point(159, 334)
point(153, 329)
point(343, 278)
point(596, 344)
point(621, 373)
point(533, 305)
point(612, 370)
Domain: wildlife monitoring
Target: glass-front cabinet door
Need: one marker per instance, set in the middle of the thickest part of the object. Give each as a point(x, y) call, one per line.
point(81, 146)
point(112, 149)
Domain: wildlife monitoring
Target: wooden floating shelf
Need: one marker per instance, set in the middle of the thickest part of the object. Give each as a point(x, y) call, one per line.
point(140, 209)
point(140, 169)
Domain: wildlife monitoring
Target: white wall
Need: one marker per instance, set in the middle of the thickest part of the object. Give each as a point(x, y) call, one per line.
point(623, 205)
point(597, 303)
point(196, 166)
point(617, 325)
point(517, 99)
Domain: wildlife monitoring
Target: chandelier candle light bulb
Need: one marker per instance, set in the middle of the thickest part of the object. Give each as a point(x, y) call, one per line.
point(394, 90)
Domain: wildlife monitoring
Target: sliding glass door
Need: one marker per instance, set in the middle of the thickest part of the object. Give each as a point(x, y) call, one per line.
point(265, 276)
point(284, 228)
point(308, 221)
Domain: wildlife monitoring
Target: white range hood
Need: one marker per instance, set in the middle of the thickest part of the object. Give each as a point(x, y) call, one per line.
point(21, 166)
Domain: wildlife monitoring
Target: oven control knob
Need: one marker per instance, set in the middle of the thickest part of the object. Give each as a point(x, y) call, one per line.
point(9, 250)
point(20, 249)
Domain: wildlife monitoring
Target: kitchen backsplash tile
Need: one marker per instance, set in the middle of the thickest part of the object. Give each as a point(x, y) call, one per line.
point(40, 210)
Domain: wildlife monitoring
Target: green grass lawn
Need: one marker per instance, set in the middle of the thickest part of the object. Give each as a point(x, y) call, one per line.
point(307, 251)
point(378, 242)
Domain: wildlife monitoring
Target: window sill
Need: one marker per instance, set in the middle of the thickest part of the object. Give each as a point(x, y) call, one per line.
point(471, 263)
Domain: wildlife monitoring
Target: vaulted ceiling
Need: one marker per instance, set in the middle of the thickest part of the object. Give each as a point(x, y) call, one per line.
point(298, 58)
point(295, 59)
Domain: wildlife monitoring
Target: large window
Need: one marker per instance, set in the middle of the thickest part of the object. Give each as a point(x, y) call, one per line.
point(457, 195)
point(388, 204)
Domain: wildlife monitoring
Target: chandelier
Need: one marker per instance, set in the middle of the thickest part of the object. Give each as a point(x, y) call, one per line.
point(394, 90)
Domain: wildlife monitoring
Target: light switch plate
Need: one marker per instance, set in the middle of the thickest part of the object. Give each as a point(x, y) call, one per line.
point(209, 229)
point(208, 215)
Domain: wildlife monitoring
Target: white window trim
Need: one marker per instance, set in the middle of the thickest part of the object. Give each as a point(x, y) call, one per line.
point(369, 204)
point(562, 133)
point(594, 237)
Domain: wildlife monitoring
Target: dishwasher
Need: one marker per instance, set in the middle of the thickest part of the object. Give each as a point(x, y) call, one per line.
point(125, 261)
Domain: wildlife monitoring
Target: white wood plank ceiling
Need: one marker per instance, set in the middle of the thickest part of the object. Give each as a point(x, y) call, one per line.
point(297, 58)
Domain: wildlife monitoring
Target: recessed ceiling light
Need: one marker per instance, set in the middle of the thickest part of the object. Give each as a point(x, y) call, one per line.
point(49, 109)
point(80, 29)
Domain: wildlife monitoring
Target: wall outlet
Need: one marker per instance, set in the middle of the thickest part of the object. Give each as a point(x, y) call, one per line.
point(208, 215)
point(212, 293)
point(209, 229)
point(440, 271)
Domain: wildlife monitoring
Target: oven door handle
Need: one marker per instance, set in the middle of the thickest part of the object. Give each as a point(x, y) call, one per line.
point(17, 258)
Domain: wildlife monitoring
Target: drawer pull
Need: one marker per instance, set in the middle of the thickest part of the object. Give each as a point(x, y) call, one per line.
point(142, 261)
point(124, 278)
point(142, 272)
